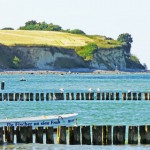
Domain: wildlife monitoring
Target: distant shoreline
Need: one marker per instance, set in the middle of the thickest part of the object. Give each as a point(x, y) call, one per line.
point(70, 71)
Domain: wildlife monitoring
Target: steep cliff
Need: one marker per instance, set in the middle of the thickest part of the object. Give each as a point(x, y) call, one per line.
point(41, 57)
point(58, 58)
point(58, 50)
point(109, 59)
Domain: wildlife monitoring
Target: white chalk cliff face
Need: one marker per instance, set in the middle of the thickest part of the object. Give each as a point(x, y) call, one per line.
point(49, 57)
point(60, 58)
point(109, 59)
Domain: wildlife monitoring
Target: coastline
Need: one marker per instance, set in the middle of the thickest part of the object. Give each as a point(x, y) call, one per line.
point(71, 71)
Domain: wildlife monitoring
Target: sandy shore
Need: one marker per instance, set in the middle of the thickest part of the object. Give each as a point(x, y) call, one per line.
point(70, 71)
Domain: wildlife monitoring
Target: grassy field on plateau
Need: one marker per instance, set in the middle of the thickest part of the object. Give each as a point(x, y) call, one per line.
point(48, 38)
point(84, 45)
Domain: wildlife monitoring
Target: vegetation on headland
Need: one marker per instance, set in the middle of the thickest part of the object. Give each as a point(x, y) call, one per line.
point(43, 34)
point(43, 26)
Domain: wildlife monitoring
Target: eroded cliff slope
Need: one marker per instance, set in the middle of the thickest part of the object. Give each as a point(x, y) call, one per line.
point(51, 57)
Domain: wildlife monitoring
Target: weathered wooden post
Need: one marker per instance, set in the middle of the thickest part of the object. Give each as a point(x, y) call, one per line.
point(124, 96)
point(103, 96)
point(1, 135)
point(9, 134)
point(146, 96)
point(11, 96)
point(42, 96)
point(56, 96)
point(119, 135)
point(139, 96)
point(87, 96)
point(16, 96)
point(129, 95)
point(107, 137)
point(31, 97)
point(74, 135)
point(47, 96)
point(21, 96)
point(27, 96)
point(0, 96)
point(39, 135)
point(117, 96)
point(86, 136)
point(145, 134)
point(24, 134)
point(61, 95)
point(77, 96)
point(72, 96)
point(133, 135)
point(61, 134)
point(111, 96)
point(49, 135)
point(91, 96)
point(2, 85)
point(67, 96)
point(97, 135)
point(134, 96)
point(82, 96)
point(5, 96)
point(107, 96)
point(51, 96)
point(98, 95)
point(37, 96)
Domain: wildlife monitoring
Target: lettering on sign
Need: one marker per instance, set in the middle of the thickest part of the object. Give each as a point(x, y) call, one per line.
point(52, 122)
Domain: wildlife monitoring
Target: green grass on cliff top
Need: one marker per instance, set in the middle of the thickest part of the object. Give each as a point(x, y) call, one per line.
point(84, 45)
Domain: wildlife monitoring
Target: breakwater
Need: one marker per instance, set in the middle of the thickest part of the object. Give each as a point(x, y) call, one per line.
point(41, 96)
point(76, 135)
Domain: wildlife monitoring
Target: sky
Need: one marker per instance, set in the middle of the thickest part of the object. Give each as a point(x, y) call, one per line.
point(102, 17)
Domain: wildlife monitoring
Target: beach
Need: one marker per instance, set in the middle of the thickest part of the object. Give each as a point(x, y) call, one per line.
point(71, 71)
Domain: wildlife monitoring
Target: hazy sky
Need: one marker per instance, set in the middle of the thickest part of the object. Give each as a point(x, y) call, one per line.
point(104, 17)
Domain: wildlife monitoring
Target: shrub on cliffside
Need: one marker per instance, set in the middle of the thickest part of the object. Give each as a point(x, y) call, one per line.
point(134, 59)
point(16, 62)
point(87, 51)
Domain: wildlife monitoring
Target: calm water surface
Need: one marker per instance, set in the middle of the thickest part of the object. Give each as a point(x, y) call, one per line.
point(90, 112)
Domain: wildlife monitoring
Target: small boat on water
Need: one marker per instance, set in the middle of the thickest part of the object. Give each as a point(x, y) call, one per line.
point(22, 79)
point(54, 121)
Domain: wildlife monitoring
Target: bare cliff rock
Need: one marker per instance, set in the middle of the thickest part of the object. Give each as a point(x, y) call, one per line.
point(60, 58)
point(109, 59)
point(42, 57)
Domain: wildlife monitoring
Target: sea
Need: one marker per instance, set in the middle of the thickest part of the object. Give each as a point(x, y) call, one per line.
point(90, 112)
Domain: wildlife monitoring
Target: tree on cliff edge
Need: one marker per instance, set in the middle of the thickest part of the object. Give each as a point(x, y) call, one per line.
point(127, 39)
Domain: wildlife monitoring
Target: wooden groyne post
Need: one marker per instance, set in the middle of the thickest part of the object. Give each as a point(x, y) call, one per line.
point(31, 96)
point(61, 135)
point(86, 135)
point(2, 85)
point(119, 135)
point(133, 135)
point(74, 135)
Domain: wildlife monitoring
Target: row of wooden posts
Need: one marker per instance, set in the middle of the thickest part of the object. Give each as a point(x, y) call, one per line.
point(76, 135)
point(75, 96)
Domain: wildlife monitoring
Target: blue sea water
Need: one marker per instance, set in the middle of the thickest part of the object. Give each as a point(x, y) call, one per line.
point(90, 112)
